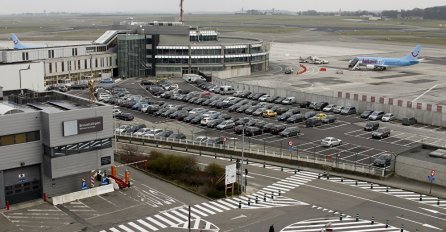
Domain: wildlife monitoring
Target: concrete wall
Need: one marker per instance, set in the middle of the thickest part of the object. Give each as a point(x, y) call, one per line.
point(236, 72)
point(426, 113)
point(32, 78)
point(58, 186)
point(420, 170)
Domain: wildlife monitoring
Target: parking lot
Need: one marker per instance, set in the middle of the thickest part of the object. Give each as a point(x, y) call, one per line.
point(358, 146)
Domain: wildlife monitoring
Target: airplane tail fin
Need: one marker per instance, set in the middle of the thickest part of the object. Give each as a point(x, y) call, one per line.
point(414, 54)
point(16, 41)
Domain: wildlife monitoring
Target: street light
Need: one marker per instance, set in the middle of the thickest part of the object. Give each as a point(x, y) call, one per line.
point(20, 75)
point(243, 157)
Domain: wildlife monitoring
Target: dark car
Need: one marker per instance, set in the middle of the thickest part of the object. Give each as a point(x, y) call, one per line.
point(320, 106)
point(242, 108)
point(290, 131)
point(267, 127)
point(272, 99)
point(312, 105)
point(304, 104)
point(134, 128)
point(365, 114)
point(409, 121)
point(164, 134)
point(214, 122)
point(384, 160)
point(234, 107)
point(197, 119)
point(251, 109)
point(239, 129)
point(257, 96)
point(160, 111)
point(309, 114)
point(284, 117)
point(181, 115)
point(381, 133)
point(277, 129)
point(348, 110)
point(279, 100)
point(294, 111)
point(281, 110)
point(214, 140)
point(252, 131)
point(376, 115)
point(245, 94)
point(189, 117)
point(371, 126)
point(313, 122)
point(125, 116)
point(296, 118)
point(329, 119)
point(177, 136)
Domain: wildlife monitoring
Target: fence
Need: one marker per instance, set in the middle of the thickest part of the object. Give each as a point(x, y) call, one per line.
point(274, 154)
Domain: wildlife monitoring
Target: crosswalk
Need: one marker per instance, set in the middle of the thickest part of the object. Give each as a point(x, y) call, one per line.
point(335, 224)
point(198, 224)
point(270, 196)
point(412, 196)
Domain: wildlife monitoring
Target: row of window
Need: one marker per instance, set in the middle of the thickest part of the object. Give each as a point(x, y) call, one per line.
point(208, 60)
point(26, 137)
point(77, 147)
point(79, 64)
point(195, 38)
point(185, 52)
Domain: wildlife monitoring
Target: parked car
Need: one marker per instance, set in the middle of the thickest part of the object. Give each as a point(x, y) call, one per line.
point(365, 114)
point(214, 122)
point(277, 129)
point(383, 160)
point(289, 101)
point(409, 121)
point(371, 126)
point(239, 129)
point(177, 136)
point(320, 105)
point(214, 140)
point(330, 142)
point(281, 109)
point(200, 139)
point(320, 116)
point(267, 127)
point(381, 133)
point(376, 115)
point(272, 99)
point(290, 131)
point(125, 116)
point(309, 114)
point(388, 117)
point(348, 110)
point(252, 131)
point(329, 119)
point(279, 100)
point(264, 97)
point(304, 104)
point(313, 122)
point(228, 124)
point(259, 111)
point(329, 108)
point(141, 131)
point(338, 109)
point(164, 134)
point(269, 114)
point(295, 118)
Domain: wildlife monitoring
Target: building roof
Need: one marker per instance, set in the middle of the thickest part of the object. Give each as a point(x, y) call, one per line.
point(5, 109)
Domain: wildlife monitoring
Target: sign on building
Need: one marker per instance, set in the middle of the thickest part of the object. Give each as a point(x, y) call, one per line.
point(83, 126)
point(230, 176)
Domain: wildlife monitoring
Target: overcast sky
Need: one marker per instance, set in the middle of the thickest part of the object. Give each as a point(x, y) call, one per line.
point(168, 6)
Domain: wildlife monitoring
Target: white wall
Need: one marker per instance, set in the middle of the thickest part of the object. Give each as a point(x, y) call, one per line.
point(31, 79)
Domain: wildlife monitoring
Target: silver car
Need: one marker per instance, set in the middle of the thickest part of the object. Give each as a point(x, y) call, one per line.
point(228, 124)
point(388, 117)
point(330, 142)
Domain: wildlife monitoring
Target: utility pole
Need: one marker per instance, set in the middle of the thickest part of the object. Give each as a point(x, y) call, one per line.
point(181, 11)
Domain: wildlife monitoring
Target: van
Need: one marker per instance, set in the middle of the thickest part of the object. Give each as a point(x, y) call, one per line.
point(371, 126)
point(192, 78)
point(226, 89)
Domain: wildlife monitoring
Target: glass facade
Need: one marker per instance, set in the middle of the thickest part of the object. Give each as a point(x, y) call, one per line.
point(132, 60)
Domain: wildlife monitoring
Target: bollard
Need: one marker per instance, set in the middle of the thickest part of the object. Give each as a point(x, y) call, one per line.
point(264, 197)
point(342, 179)
point(247, 162)
point(279, 192)
point(264, 164)
point(421, 197)
point(257, 199)
point(373, 220)
point(387, 223)
point(249, 201)
point(371, 186)
point(281, 169)
point(7, 205)
point(215, 156)
point(318, 176)
point(295, 171)
point(402, 228)
point(44, 197)
point(357, 217)
point(438, 201)
point(230, 158)
point(387, 189)
point(340, 216)
point(272, 195)
point(240, 204)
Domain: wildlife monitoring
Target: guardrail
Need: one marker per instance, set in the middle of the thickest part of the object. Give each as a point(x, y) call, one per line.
point(279, 155)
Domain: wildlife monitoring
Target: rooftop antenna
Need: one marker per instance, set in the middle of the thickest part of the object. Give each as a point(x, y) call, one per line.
point(181, 11)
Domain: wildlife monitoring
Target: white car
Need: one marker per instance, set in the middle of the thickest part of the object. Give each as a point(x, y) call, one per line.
point(388, 117)
point(200, 139)
point(116, 111)
point(264, 97)
point(142, 131)
point(205, 121)
point(330, 142)
point(289, 101)
point(329, 108)
point(121, 129)
point(103, 96)
point(152, 132)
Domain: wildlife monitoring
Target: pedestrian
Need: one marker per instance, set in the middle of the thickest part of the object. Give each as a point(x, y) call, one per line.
point(271, 228)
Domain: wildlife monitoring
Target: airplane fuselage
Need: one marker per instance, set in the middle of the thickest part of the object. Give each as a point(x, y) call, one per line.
point(387, 62)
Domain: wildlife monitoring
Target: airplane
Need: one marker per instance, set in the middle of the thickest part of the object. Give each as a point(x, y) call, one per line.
point(382, 63)
point(19, 45)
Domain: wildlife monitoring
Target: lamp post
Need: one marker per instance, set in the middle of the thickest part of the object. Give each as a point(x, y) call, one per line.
point(243, 157)
point(20, 75)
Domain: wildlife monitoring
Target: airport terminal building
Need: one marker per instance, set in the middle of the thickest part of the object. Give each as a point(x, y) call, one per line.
point(134, 49)
point(49, 142)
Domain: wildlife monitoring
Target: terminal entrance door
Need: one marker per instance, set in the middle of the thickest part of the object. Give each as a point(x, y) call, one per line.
point(185, 70)
point(22, 184)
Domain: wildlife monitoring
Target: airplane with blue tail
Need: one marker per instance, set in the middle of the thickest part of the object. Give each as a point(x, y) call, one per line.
point(382, 63)
point(18, 45)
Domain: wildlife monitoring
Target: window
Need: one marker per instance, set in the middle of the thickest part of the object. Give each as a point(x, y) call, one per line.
point(85, 64)
point(25, 137)
point(7, 140)
point(78, 65)
point(105, 160)
point(32, 136)
point(77, 148)
point(50, 53)
point(25, 56)
point(63, 66)
point(74, 51)
point(20, 138)
point(50, 67)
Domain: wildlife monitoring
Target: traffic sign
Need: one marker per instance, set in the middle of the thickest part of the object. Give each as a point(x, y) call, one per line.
point(224, 139)
point(290, 143)
point(433, 173)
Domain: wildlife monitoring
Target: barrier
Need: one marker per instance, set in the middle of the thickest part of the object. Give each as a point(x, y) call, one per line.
point(74, 196)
